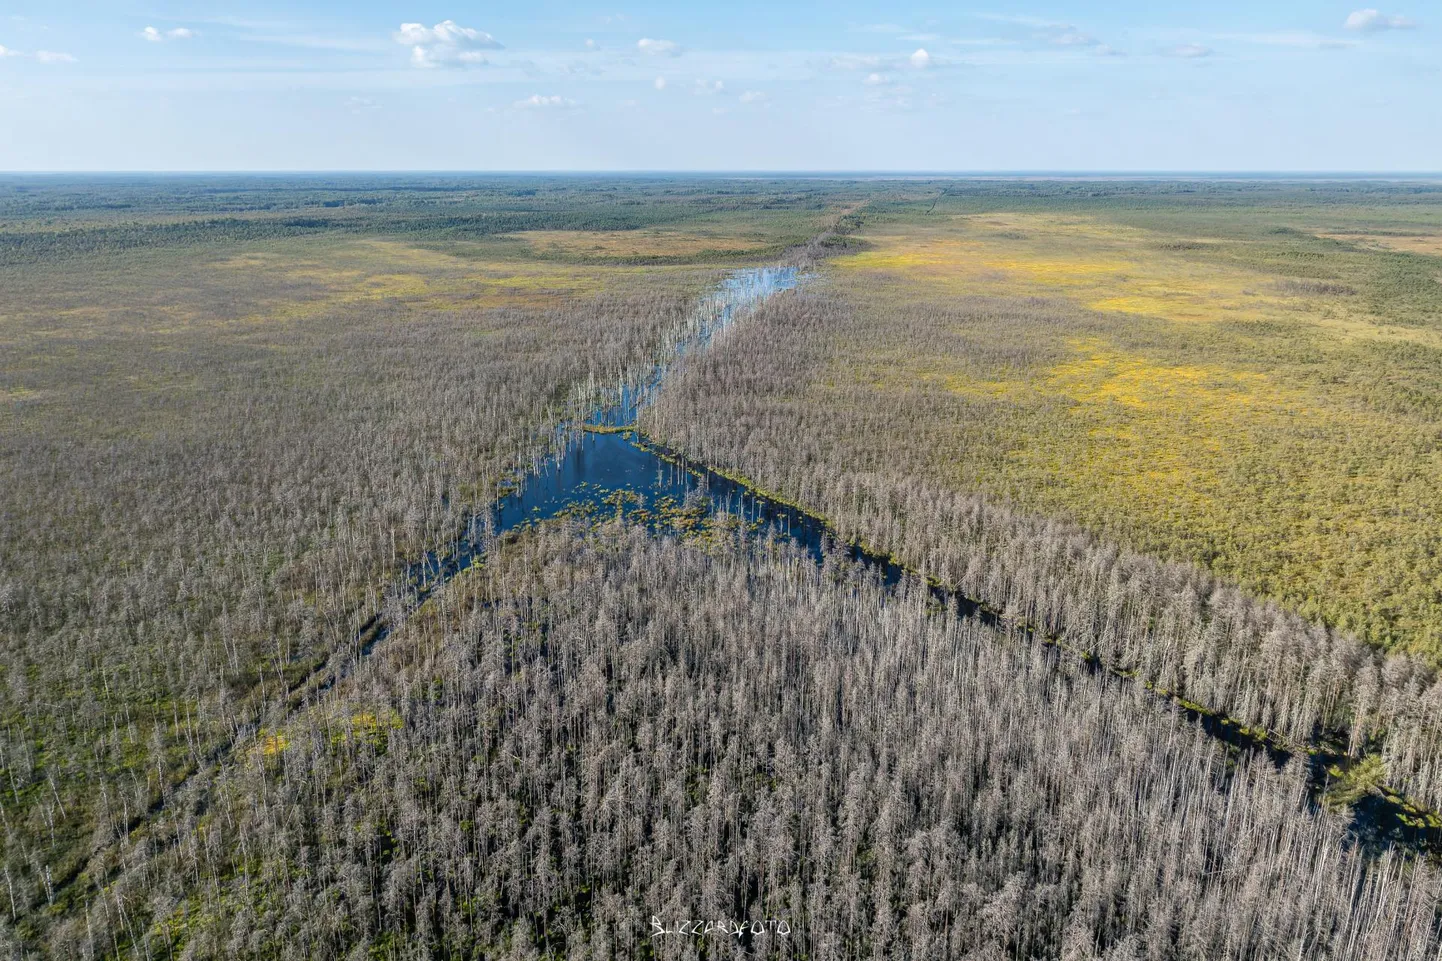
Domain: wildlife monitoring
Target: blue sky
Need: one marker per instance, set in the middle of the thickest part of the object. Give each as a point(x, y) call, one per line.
point(152, 85)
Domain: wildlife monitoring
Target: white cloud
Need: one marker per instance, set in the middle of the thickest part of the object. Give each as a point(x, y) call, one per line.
point(1189, 51)
point(665, 48)
point(159, 36)
point(446, 44)
point(423, 56)
point(876, 80)
point(591, 44)
point(753, 96)
point(660, 83)
point(921, 59)
point(1370, 20)
point(362, 105)
point(445, 32)
point(538, 101)
point(708, 87)
point(50, 56)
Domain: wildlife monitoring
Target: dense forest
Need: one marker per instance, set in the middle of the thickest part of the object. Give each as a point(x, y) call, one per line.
point(595, 730)
point(206, 497)
point(237, 412)
point(159, 590)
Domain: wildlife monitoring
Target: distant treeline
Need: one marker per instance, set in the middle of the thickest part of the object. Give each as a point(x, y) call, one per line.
point(22, 247)
point(43, 218)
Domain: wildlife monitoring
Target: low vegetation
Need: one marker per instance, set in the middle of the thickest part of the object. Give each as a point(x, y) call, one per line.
point(1188, 430)
point(1265, 402)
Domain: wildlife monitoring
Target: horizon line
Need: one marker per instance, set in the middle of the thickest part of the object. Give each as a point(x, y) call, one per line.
point(1015, 173)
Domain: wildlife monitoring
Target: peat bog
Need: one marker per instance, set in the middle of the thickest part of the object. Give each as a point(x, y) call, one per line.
point(447, 566)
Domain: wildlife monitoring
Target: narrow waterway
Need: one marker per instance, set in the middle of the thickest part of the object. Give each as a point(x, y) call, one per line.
point(606, 469)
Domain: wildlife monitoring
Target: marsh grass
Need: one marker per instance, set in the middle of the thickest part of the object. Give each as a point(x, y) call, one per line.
point(1266, 404)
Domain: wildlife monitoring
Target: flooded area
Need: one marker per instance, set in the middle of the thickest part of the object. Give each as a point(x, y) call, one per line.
point(606, 469)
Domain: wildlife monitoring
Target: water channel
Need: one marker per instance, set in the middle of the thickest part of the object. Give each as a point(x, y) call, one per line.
point(605, 468)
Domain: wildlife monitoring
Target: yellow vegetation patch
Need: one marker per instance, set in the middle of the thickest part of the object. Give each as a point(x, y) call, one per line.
point(1103, 375)
point(372, 727)
point(1159, 434)
point(1104, 267)
point(1159, 413)
point(621, 244)
point(371, 721)
point(931, 257)
point(273, 744)
point(373, 271)
point(1060, 273)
